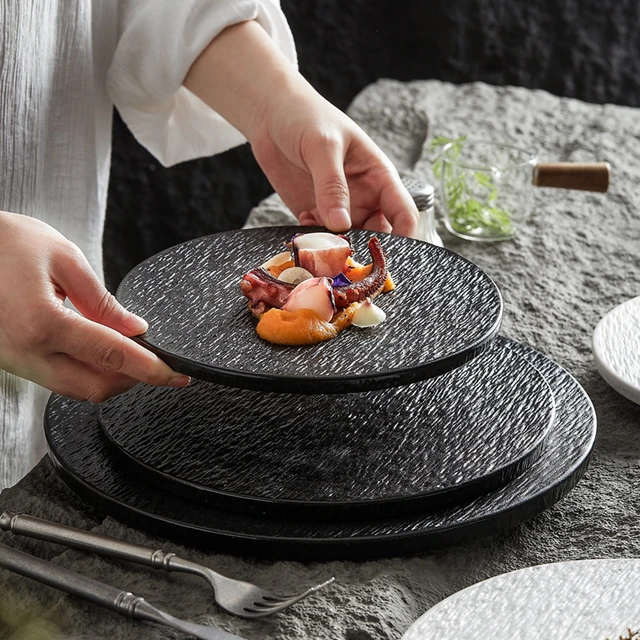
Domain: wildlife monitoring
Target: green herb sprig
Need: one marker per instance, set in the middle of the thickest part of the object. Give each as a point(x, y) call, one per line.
point(467, 214)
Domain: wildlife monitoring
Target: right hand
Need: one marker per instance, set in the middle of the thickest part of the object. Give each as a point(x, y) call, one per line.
point(86, 357)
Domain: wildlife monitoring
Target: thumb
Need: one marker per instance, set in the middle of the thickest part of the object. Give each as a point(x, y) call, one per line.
point(331, 191)
point(76, 278)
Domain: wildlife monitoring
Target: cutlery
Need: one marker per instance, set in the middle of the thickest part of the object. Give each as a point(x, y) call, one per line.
point(235, 596)
point(105, 595)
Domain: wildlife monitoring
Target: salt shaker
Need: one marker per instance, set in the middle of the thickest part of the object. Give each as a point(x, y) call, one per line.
point(423, 195)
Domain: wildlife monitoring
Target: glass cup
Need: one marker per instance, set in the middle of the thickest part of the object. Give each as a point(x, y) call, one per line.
point(486, 188)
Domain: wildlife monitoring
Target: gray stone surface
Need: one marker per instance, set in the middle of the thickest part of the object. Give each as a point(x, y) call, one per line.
point(576, 258)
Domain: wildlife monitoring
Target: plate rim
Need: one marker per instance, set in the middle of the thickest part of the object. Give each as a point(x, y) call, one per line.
point(415, 503)
point(306, 548)
point(504, 577)
point(259, 381)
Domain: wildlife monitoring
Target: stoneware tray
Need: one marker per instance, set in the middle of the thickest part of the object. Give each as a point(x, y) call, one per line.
point(359, 455)
point(81, 454)
point(444, 311)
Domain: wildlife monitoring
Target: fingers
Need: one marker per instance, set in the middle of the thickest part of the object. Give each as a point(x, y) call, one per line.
point(307, 219)
point(377, 221)
point(331, 188)
point(81, 285)
point(67, 376)
point(100, 346)
point(399, 208)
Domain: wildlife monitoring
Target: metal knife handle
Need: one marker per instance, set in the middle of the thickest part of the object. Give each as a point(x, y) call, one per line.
point(69, 581)
point(105, 595)
point(84, 540)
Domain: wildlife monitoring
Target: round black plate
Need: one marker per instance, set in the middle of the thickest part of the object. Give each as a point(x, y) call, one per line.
point(444, 311)
point(367, 455)
point(80, 453)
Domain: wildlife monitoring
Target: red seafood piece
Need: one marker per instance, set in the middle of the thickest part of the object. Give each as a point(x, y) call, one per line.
point(260, 286)
point(322, 254)
point(369, 286)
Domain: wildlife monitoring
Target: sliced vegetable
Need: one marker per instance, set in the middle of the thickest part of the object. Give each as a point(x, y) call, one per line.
point(277, 260)
point(278, 269)
point(357, 272)
point(340, 280)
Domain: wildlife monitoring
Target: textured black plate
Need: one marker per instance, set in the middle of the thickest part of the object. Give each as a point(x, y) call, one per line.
point(367, 455)
point(80, 453)
point(444, 311)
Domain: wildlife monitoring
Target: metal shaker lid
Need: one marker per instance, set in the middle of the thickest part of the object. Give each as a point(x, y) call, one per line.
point(422, 192)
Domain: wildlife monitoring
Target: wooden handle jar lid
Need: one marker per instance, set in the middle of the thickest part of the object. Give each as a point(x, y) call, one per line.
point(586, 176)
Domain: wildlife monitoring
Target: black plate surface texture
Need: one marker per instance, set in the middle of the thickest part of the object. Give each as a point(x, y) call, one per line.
point(83, 459)
point(378, 453)
point(444, 311)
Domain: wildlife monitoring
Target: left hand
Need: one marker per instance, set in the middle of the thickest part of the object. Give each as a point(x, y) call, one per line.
point(327, 170)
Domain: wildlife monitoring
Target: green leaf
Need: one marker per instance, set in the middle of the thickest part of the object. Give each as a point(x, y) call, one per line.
point(468, 215)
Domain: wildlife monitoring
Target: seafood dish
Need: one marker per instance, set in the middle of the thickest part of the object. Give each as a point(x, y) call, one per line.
point(315, 289)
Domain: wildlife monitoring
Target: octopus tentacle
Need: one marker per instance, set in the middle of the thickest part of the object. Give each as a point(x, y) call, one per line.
point(368, 286)
point(261, 287)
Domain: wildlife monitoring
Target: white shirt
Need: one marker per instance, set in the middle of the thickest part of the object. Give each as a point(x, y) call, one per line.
point(63, 66)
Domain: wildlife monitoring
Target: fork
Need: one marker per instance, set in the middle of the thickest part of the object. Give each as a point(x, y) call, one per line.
point(240, 598)
point(101, 594)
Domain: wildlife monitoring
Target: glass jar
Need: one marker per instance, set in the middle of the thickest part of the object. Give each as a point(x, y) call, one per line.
point(486, 188)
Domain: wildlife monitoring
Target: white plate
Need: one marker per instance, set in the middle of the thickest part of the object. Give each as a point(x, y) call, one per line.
point(585, 599)
point(616, 348)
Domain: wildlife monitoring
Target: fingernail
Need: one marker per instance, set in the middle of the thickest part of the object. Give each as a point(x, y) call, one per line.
point(179, 381)
point(135, 323)
point(339, 219)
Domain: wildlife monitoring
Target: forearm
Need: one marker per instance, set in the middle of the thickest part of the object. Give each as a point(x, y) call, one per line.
point(240, 73)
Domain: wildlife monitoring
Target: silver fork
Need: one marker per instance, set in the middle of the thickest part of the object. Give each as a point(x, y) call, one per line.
point(102, 594)
point(235, 596)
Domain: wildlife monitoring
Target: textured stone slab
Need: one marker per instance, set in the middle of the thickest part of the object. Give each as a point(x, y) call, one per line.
point(364, 455)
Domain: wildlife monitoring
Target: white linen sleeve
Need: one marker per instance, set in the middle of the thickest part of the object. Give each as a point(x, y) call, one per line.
point(158, 42)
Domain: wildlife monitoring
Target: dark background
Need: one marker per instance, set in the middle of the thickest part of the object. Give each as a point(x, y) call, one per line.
point(587, 49)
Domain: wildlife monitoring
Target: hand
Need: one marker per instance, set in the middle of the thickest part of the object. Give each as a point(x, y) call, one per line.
point(325, 168)
point(86, 358)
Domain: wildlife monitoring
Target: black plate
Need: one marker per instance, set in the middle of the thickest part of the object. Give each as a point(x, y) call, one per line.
point(367, 455)
point(80, 453)
point(444, 311)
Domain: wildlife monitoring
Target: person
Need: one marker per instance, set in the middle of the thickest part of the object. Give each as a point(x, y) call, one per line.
point(190, 79)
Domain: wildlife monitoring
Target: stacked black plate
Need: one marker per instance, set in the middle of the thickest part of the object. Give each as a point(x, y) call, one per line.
point(424, 431)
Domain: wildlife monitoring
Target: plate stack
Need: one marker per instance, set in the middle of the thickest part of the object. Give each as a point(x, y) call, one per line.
point(428, 430)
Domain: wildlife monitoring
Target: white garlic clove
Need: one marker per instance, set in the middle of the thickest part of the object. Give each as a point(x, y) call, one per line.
point(295, 275)
point(368, 315)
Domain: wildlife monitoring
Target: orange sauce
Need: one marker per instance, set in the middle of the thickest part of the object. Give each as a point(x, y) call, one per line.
point(302, 327)
point(278, 269)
